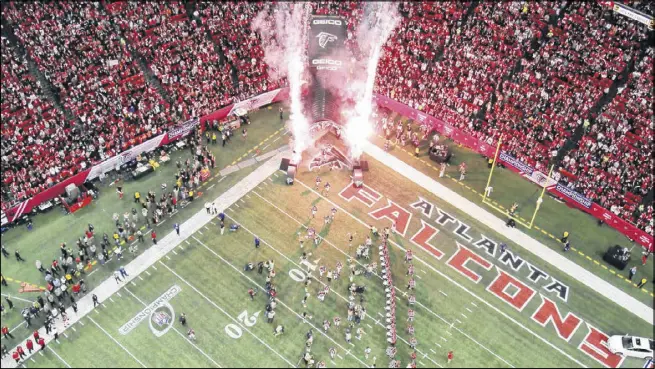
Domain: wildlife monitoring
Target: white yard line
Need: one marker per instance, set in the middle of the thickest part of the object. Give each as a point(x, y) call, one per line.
point(435, 270)
point(116, 342)
point(178, 332)
point(17, 298)
point(279, 300)
point(226, 314)
point(549, 255)
point(58, 357)
point(210, 187)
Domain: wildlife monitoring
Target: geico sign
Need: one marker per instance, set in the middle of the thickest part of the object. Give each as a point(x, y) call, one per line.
point(326, 61)
point(333, 22)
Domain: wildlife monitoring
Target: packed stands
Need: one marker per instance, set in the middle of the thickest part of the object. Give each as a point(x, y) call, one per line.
point(33, 132)
point(614, 162)
point(98, 81)
point(531, 72)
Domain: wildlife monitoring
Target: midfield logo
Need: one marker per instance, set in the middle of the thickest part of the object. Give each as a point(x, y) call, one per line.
point(324, 38)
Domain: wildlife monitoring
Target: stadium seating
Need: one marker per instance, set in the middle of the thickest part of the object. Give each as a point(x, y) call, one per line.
point(31, 130)
point(534, 73)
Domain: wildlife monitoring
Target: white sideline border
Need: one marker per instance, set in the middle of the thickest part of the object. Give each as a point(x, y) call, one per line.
point(155, 252)
point(540, 250)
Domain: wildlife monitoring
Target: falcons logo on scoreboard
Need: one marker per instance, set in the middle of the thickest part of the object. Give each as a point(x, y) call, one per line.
point(324, 38)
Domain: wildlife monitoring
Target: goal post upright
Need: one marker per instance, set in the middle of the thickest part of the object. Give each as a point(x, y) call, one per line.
point(541, 197)
point(493, 166)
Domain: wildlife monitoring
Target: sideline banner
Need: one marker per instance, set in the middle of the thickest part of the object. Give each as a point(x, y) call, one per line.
point(527, 171)
point(634, 15)
point(571, 197)
point(180, 130)
point(125, 157)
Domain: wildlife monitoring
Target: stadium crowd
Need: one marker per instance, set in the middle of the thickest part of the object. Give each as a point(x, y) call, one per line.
point(551, 93)
point(531, 72)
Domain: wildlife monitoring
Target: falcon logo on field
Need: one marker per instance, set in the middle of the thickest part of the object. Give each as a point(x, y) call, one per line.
point(324, 38)
point(330, 156)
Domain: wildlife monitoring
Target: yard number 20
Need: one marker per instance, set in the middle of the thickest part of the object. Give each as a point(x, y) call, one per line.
point(234, 331)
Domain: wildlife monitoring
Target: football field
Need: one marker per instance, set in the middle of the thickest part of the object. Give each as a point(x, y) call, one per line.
point(491, 309)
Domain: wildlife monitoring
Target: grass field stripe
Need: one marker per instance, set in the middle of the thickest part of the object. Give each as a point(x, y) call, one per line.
point(40, 353)
point(469, 310)
point(133, 284)
point(226, 313)
point(279, 300)
point(443, 293)
point(33, 360)
point(112, 300)
point(138, 276)
point(210, 187)
point(58, 357)
point(65, 335)
point(81, 322)
point(187, 242)
point(219, 181)
point(118, 343)
point(178, 332)
point(429, 266)
point(173, 251)
point(473, 303)
point(434, 352)
point(147, 272)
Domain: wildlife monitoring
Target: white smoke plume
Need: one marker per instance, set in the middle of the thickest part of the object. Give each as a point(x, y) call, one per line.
point(283, 29)
point(379, 21)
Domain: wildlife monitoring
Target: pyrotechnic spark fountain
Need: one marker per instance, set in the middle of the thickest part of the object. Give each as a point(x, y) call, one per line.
point(380, 20)
point(284, 36)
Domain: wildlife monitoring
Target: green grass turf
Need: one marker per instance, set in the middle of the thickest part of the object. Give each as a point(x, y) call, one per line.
point(208, 270)
point(554, 217)
point(52, 228)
